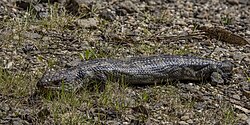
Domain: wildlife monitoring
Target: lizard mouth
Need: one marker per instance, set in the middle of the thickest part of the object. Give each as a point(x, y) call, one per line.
point(53, 85)
point(48, 89)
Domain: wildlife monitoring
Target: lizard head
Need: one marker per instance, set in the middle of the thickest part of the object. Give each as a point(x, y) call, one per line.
point(59, 80)
point(226, 67)
point(224, 72)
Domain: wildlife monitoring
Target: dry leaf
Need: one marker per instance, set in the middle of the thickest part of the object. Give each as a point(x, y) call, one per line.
point(223, 35)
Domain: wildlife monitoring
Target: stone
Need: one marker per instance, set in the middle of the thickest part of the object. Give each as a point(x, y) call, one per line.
point(151, 2)
point(78, 6)
point(233, 2)
point(242, 116)
point(248, 121)
point(185, 117)
point(236, 96)
point(243, 1)
point(87, 23)
point(107, 15)
point(129, 6)
point(182, 123)
point(248, 32)
point(190, 121)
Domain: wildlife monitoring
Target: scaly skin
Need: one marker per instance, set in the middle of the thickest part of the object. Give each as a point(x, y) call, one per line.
point(137, 70)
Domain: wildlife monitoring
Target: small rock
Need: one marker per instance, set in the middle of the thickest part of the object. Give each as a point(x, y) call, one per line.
point(181, 22)
point(151, 2)
point(185, 117)
point(242, 116)
point(112, 122)
point(159, 118)
point(238, 56)
point(125, 123)
point(236, 96)
point(243, 1)
point(9, 65)
point(87, 23)
point(32, 35)
point(246, 93)
point(190, 121)
point(107, 15)
point(233, 2)
point(248, 121)
point(4, 107)
point(200, 106)
point(129, 6)
point(248, 32)
point(78, 6)
point(183, 123)
point(216, 78)
point(16, 123)
point(242, 109)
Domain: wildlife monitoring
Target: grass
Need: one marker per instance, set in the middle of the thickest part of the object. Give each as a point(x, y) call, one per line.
point(247, 76)
point(79, 108)
point(10, 83)
point(226, 20)
point(229, 115)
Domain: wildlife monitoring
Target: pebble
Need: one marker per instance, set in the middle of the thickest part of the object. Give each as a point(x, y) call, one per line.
point(87, 23)
point(107, 15)
point(242, 116)
point(125, 123)
point(182, 123)
point(129, 6)
point(151, 2)
point(248, 33)
point(185, 117)
point(248, 120)
point(233, 2)
point(159, 118)
point(190, 121)
point(236, 96)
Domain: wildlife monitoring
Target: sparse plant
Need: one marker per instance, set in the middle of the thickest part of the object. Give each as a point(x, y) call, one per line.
point(10, 83)
point(226, 20)
point(145, 97)
point(229, 116)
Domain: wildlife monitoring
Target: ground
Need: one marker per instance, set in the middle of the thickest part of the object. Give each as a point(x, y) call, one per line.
point(48, 35)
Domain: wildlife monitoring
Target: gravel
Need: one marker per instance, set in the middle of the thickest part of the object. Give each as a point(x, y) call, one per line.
point(118, 29)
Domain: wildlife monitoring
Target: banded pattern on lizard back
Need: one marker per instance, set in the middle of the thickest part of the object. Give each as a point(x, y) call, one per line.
point(137, 70)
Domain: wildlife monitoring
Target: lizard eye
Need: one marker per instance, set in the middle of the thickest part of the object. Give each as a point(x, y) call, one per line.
point(58, 82)
point(227, 66)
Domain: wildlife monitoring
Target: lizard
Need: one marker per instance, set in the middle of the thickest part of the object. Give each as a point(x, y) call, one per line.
point(137, 71)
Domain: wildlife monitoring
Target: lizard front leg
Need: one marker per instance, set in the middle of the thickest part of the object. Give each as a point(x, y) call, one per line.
point(211, 72)
point(92, 80)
